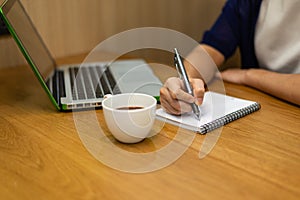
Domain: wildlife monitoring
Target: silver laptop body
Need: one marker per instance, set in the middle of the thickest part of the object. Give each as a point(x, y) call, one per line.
point(75, 86)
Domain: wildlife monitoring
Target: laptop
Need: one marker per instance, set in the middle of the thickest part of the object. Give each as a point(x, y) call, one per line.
point(75, 86)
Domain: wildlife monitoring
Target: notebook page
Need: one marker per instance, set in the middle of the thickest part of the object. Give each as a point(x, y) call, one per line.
point(214, 106)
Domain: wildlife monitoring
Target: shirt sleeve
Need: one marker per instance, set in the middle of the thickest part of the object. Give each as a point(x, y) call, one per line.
point(234, 28)
point(224, 34)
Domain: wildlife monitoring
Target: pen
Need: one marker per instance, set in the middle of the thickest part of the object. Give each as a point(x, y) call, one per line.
point(183, 75)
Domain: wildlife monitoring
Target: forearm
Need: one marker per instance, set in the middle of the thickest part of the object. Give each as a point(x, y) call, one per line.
point(203, 61)
point(284, 86)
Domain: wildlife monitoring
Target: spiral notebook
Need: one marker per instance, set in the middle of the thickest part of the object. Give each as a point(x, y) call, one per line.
point(216, 111)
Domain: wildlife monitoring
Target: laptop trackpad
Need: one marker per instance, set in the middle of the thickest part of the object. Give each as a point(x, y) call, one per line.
point(135, 76)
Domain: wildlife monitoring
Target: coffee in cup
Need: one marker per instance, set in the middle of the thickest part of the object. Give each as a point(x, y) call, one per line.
point(130, 116)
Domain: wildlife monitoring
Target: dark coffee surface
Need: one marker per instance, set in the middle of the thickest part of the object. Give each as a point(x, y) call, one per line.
point(130, 108)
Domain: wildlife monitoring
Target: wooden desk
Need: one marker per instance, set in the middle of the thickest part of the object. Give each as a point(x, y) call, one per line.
point(42, 156)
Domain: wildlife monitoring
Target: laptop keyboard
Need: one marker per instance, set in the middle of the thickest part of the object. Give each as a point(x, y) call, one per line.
point(92, 82)
point(86, 83)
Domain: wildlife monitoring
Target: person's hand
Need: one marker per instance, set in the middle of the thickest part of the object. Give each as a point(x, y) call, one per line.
point(175, 100)
point(237, 76)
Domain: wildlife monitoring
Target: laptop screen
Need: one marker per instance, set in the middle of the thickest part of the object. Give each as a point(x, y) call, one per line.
point(28, 38)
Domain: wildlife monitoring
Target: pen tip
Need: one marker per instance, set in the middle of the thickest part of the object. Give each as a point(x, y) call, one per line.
point(197, 117)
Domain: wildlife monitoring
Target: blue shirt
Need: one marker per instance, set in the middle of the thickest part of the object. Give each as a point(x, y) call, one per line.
point(234, 28)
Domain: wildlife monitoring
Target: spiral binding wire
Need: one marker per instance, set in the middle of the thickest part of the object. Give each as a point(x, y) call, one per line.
point(228, 118)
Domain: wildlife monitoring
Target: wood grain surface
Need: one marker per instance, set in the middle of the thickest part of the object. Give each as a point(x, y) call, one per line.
point(43, 157)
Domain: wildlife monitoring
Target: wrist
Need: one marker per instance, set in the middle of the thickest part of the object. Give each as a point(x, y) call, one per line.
point(252, 76)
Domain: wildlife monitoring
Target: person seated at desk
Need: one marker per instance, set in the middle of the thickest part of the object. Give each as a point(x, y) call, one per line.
point(267, 34)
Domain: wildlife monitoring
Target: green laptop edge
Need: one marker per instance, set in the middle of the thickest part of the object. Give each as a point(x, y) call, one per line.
point(7, 5)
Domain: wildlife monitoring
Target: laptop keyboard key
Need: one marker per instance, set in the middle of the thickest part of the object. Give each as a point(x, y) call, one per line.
point(72, 80)
point(112, 82)
point(91, 82)
point(87, 82)
point(62, 89)
point(95, 82)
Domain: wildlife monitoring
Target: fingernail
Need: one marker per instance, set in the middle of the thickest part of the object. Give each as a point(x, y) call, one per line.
point(218, 75)
point(199, 101)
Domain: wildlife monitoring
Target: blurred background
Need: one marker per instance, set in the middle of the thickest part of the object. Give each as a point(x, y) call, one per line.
point(72, 27)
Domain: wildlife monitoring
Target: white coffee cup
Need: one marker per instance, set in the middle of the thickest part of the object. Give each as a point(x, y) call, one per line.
point(130, 116)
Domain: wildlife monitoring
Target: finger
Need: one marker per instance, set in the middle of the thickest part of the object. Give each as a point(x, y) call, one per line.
point(198, 90)
point(172, 105)
point(234, 75)
point(169, 104)
point(175, 87)
point(184, 107)
point(178, 110)
point(182, 95)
